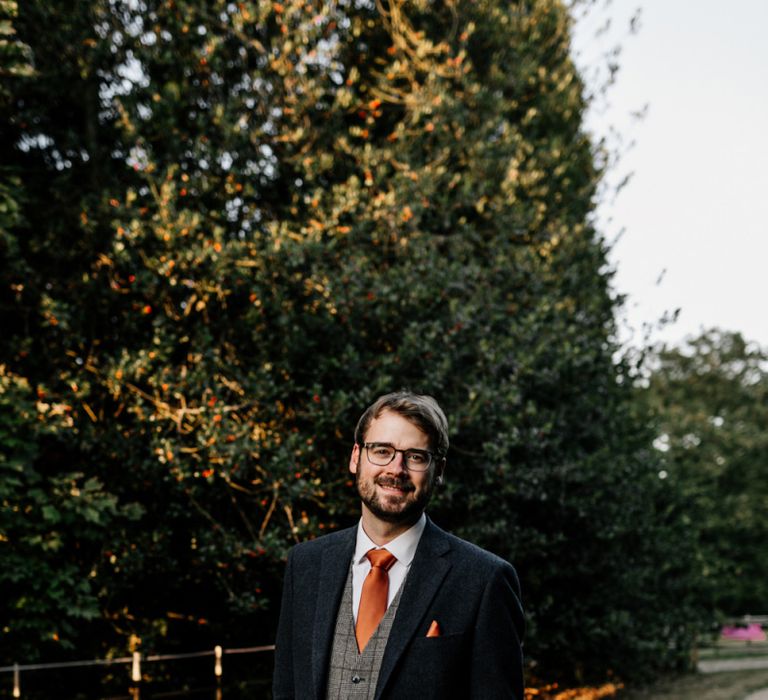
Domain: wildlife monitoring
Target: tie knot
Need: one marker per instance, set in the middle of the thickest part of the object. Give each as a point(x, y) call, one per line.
point(381, 558)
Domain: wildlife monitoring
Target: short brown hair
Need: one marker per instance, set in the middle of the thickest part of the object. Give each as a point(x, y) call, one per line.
point(420, 409)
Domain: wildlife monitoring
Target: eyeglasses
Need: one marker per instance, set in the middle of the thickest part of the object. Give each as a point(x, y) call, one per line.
point(381, 454)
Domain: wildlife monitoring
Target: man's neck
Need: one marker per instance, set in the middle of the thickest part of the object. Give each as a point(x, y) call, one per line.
point(380, 531)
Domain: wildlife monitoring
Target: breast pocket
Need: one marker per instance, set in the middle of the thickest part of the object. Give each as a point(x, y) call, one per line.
point(440, 664)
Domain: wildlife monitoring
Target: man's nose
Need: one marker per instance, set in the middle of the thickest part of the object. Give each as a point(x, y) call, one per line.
point(398, 463)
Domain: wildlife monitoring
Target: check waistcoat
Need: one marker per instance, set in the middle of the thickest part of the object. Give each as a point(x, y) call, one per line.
point(353, 675)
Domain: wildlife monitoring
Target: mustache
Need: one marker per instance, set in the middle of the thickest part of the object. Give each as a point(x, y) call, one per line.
point(395, 483)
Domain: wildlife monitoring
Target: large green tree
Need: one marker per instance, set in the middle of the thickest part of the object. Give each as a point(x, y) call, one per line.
point(244, 221)
point(711, 401)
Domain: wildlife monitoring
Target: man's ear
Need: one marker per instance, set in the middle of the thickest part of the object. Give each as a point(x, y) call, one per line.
point(439, 471)
point(354, 458)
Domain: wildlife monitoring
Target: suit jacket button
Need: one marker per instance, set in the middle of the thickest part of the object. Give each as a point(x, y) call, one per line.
point(356, 679)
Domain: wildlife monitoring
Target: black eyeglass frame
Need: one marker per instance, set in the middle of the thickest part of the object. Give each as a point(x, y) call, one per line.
point(433, 456)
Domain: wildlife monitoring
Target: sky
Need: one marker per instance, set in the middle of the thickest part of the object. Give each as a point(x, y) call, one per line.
point(690, 229)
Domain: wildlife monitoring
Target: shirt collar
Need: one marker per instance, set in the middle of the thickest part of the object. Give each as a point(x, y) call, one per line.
point(403, 546)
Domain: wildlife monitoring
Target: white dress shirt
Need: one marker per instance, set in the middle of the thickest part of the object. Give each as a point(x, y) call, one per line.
point(404, 549)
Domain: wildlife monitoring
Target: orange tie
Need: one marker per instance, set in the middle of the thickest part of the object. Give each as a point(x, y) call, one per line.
point(373, 600)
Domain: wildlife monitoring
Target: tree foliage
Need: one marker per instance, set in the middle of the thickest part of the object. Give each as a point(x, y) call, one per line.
point(14, 66)
point(53, 526)
point(243, 222)
point(711, 401)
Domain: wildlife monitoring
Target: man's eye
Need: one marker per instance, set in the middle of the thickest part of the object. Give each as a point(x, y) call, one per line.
point(381, 451)
point(416, 458)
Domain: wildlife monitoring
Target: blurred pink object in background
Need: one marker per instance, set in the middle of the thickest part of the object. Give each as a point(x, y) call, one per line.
point(751, 633)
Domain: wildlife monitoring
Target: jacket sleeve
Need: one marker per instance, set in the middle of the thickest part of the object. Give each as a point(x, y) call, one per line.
point(496, 669)
point(283, 679)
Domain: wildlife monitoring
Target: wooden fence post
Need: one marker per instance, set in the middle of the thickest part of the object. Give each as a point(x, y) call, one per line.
point(136, 667)
point(217, 670)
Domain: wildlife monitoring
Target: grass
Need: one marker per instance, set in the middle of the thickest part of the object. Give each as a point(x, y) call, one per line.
point(730, 649)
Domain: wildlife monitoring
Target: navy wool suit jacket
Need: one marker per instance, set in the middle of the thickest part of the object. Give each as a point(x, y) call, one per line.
point(473, 594)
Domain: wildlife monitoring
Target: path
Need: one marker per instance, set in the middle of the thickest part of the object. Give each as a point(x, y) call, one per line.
point(720, 665)
point(728, 685)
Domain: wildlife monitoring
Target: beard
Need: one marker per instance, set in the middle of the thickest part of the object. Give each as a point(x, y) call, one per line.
point(402, 509)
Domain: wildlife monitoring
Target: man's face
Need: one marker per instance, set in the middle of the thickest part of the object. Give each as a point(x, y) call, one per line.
point(392, 493)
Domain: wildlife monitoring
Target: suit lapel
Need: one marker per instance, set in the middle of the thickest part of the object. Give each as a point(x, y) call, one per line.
point(334, 568)
point(427, 572)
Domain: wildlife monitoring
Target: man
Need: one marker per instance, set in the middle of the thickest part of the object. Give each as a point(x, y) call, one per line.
point(395, 608)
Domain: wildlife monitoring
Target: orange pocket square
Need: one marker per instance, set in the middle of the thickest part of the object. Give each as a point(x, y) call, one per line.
point(434, 629)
